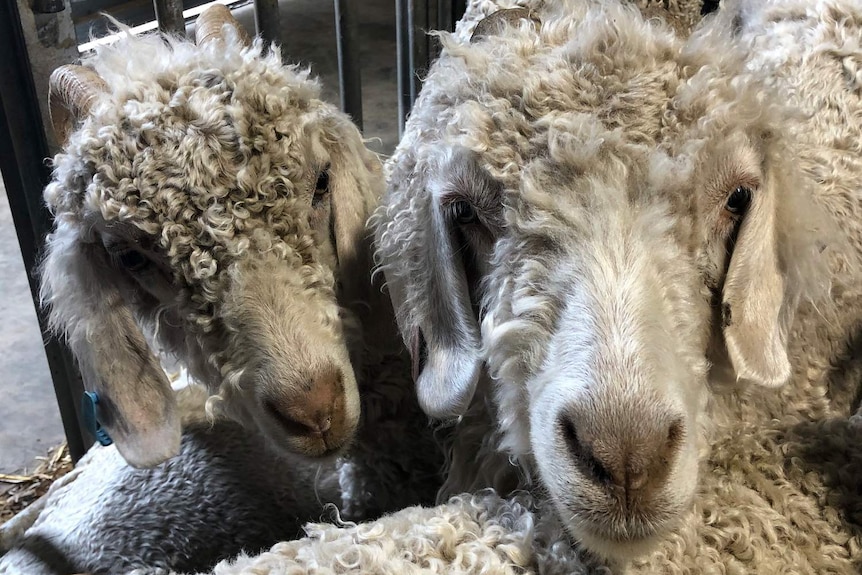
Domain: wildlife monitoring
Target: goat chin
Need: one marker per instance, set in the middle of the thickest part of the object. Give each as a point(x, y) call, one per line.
point(621, 552)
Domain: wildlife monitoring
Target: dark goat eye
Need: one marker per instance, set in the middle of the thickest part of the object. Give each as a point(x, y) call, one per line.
point(464, 213)
point(738, 201)
point(322, 182)
point(133, 260)
point(321, 188)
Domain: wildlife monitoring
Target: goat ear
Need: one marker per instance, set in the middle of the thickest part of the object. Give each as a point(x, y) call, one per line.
point(753, 297)
point(446, 346)
point(356, 184)
point(441, 334)
point(433, 306)
point(137, 406)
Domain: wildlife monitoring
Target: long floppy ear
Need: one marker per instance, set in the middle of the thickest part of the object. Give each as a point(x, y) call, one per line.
point(137, 407)
point(753, 296)
point(356, 184)
point(433, 305)
point(136, 404)
point(450, 334)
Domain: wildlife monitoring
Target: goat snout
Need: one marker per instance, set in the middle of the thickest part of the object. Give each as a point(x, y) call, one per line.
point(313, 413)
point(629, 456)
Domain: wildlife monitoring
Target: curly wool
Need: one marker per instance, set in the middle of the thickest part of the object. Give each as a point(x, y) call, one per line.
point(794, 500)
point(203, 149)
point(479, 533)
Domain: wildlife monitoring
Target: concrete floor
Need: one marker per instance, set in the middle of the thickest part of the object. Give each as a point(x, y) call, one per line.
point(29, 419)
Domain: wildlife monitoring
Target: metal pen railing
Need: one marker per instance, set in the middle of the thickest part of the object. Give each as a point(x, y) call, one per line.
point(416, 50)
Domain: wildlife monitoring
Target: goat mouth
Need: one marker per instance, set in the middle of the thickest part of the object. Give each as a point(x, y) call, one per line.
point(317, 448)
point(620, 536)
point(299, 441)
point(613, 544)
point(621, 540)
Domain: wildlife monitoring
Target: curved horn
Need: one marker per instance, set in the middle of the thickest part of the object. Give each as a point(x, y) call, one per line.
point(211, 23)
point(72, 90)
point(493, 23)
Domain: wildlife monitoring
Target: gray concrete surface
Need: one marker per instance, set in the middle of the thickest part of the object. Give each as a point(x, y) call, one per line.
point(29, 419)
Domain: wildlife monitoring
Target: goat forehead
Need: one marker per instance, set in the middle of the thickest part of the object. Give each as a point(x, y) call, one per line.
point(189, 136)
point(621, 201)
point(195, 166)
point(496, 97)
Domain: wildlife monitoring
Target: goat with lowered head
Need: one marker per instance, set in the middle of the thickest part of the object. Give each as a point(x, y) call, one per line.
point(209, 197)
point(206, 196)
point(627, 245)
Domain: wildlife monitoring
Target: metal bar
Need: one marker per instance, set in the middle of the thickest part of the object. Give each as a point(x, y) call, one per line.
point(169, 14)
point(23, 147)
point(458, 9)
point(415, 49)
point(417, 14)
point(449, 12)
point(444, 15)
point(445, 21)
point(430, 23)
point(266, 20)
point(403, 51)
point(349, 70)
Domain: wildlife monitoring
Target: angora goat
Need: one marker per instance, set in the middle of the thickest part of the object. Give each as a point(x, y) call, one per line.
point(653, 245)
point(211, 198)
point(209, 192)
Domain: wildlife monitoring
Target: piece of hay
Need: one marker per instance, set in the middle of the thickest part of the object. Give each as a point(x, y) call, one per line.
point(19, 491)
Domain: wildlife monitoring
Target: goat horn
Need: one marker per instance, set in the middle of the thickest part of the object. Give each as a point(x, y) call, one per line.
point(211, 23)
point(72, 90)
point(493, 23)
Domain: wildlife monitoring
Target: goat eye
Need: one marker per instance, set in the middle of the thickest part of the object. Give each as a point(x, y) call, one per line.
point(738, 201)
point(133, 260)
point(464, 213)
point(321, 188)
point(322, 184)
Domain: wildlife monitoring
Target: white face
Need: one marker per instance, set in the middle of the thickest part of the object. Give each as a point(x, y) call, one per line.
point(599, 299)
point(273, 348)
point(252, 286)
point(595, 345)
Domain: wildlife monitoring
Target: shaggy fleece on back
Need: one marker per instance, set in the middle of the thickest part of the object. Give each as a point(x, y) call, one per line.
point(795, 509)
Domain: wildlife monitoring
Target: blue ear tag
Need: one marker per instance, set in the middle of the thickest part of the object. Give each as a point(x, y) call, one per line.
point(90, 413)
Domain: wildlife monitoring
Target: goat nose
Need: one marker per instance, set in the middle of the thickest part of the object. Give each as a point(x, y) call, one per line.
point(629, 456)
point(311, 409)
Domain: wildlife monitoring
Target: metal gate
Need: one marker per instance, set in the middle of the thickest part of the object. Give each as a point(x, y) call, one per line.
point(25, 143)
